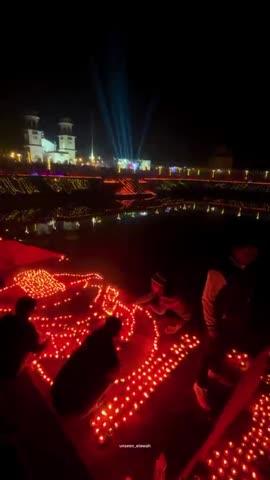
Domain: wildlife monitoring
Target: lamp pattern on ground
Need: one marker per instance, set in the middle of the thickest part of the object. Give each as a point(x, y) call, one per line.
point(38, 283)
point(238, 360)
point(127, 394)
point(247, 458)
point(66, 331)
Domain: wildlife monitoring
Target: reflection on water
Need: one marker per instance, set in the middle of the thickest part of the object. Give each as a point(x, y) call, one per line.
point(127, 244)
point(38, 222)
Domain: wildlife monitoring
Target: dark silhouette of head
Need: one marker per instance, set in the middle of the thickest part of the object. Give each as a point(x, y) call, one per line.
point(158, 284)
point(244, 248)
point(113, 326)
point(244, 243)
point(245, 253)
point(25, 306)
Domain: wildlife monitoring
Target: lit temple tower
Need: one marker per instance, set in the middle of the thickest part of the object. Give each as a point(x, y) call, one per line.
point(32, 139)
point(66, 139)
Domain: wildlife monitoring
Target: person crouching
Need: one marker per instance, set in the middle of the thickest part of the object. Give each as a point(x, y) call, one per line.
point(163, 299)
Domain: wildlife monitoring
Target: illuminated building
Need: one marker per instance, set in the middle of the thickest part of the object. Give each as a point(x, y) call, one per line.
point(66, 140)
point(33, 139)
point(135, 164)
point(40, 149)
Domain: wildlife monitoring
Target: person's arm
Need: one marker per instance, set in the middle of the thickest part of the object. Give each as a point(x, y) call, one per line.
point(184, 311)
point(178, 306)
point(35, 345)
point(149, 297)
point(214, 283)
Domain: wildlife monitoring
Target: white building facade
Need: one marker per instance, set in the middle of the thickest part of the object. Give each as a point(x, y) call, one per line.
point(40, 149)
point(33, 139)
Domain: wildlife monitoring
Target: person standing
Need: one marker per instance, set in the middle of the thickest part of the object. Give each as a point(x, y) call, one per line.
point(228, 300)
point(18, 338)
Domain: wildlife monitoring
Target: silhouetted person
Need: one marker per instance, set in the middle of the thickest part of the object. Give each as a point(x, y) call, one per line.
point(18, 338)
point(232, 307)
point(88, 371)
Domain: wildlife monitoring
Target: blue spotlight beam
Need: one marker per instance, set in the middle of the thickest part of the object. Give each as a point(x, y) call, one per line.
point(114, 104)
point(128, 120)
point(105, 111)
point(119, 100)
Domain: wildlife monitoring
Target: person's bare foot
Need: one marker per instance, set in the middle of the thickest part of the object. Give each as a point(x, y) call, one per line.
point(157, 309)
point(146, 299)
point(219, 378)
point(172, 329)
point(202, 397)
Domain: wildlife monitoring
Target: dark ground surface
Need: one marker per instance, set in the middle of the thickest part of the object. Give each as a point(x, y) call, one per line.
point(127, 253)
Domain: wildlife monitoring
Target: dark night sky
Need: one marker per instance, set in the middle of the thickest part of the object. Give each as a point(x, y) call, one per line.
point(207, 91)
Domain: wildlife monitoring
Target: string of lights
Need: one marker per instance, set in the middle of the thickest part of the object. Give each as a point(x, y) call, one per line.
point(17, 185)
point(167, 179)
point(67, 185)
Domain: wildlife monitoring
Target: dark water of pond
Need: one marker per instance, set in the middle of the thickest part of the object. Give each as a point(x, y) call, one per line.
point(129, 246)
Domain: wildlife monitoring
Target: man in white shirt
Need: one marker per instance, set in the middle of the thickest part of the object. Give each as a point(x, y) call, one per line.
point(228, 312)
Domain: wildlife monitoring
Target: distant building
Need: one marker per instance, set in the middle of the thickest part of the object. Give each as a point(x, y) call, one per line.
point(33, 139)
point(40, 149)
point(47, 145)
point(221, 159)
point(139, 164)
point(66, 140)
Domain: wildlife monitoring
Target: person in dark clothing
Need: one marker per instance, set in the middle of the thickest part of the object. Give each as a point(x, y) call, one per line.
point(88, 371)
point(229, 307)
point(18, 338)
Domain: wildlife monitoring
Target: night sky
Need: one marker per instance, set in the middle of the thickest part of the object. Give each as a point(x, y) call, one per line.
point(203, 88)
